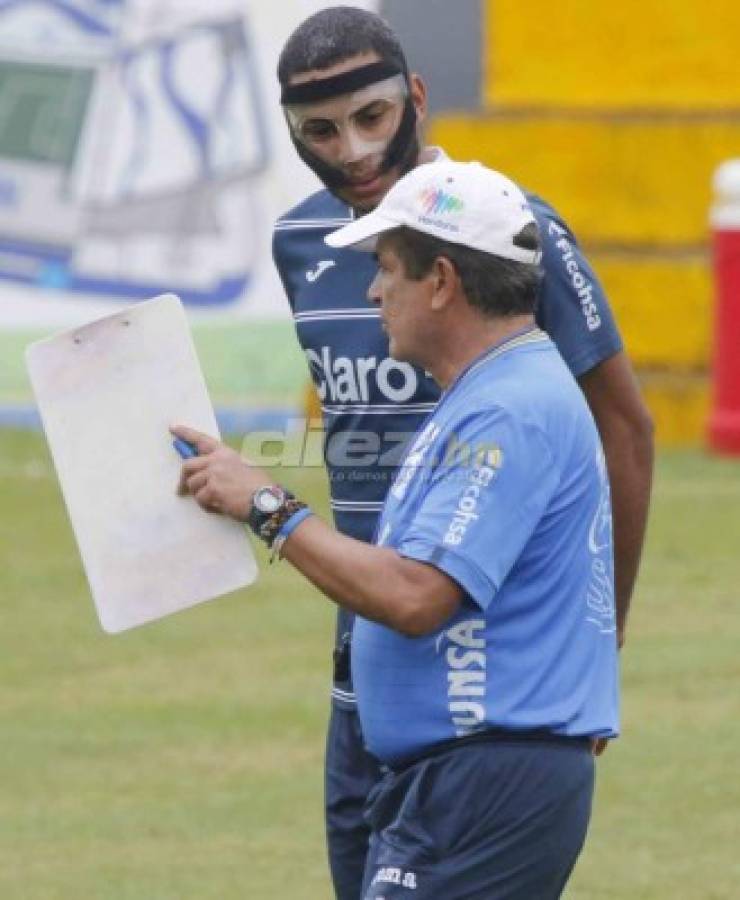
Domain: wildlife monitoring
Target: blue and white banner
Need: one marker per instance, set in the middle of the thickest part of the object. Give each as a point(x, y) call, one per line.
point(142, 150)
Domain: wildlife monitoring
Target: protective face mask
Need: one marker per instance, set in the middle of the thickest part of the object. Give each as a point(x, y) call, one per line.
point(352, 126)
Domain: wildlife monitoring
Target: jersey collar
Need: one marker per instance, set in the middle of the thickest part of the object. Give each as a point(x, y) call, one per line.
point(529, 335)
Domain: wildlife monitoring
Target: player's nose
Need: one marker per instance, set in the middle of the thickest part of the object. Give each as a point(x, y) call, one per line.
point(354, 152)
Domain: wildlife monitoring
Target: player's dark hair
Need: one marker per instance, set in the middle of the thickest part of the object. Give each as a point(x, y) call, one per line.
point(496, 286)
point(334, 35)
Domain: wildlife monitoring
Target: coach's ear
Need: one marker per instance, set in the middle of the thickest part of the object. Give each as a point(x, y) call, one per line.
point(445, 283)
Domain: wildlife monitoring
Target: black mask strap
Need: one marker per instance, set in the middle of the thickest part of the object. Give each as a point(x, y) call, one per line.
point(331, 176)
point(403, 149)
point(336, 85)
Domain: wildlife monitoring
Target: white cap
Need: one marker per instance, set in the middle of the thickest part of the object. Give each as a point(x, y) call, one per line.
point(464, 203)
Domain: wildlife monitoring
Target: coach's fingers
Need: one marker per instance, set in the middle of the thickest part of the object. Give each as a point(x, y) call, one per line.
point(189, 468)
point(208, 499)
point(599, 745)
point(203, 443)
point(195, 482)
point(196, 464)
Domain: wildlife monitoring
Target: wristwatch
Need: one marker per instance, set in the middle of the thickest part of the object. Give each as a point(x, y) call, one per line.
point(266, 501)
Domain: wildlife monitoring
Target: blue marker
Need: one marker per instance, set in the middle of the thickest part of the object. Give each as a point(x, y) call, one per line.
point(186, 450)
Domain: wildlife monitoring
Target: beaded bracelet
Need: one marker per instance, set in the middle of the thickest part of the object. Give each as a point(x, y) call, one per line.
point(269, 529)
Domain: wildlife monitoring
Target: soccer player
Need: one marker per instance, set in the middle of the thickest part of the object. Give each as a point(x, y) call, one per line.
point(354, 112)
point(483, 652)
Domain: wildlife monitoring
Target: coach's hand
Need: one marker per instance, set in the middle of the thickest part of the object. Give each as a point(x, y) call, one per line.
point(219, 479)
point(599, 745)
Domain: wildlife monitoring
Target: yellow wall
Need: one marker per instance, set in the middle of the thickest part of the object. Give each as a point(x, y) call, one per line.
point(618, 114)
point(625, 179)
point(642, 53)
point(679, 404)
point(663, 308)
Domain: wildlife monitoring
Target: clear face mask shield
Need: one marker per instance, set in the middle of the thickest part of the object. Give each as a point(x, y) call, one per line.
point(359, 125)
point(362, 118)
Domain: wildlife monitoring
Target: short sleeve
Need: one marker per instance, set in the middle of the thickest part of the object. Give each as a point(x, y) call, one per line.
point(476, 517)
point(573, 308)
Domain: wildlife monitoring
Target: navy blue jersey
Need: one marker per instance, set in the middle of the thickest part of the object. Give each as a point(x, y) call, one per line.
point(371, 404)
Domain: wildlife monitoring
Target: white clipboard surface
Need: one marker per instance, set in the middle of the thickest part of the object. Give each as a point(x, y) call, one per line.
point(107, 394)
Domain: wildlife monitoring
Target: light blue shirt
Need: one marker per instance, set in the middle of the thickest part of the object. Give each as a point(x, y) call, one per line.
point(505, 490)
point(364, 391)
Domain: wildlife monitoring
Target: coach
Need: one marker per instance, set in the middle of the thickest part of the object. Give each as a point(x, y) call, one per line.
point(484, 654)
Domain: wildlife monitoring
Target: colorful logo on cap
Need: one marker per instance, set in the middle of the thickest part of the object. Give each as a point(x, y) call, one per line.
point(436, 201)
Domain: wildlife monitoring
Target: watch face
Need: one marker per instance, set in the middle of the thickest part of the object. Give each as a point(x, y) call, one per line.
point(269, 499)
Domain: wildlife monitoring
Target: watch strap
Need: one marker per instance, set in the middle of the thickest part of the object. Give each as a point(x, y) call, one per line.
point(256, 518)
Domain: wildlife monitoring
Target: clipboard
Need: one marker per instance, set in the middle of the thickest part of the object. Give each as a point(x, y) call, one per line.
point(107, 393)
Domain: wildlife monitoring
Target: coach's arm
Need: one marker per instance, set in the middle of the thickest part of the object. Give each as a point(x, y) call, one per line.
point(377, 583)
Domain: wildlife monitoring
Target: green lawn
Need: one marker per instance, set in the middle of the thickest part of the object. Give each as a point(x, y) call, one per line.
point(183, 760)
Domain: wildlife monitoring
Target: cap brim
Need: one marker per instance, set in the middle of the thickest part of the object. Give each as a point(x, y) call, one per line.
point(362, 234)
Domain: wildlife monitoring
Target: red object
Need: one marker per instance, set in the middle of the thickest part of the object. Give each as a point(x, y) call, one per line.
point(724, 421)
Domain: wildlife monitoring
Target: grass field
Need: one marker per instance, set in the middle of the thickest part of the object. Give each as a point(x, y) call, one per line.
point(183, 760)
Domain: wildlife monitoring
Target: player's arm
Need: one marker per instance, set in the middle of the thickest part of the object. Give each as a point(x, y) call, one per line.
point(377, 583)
point(575, 311)
point(626, 431)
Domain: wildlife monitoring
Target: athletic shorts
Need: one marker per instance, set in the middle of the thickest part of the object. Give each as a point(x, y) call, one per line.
point(500, 819)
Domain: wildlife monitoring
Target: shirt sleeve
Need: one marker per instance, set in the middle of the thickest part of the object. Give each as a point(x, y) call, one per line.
point(573, 308)
point(476, 517)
